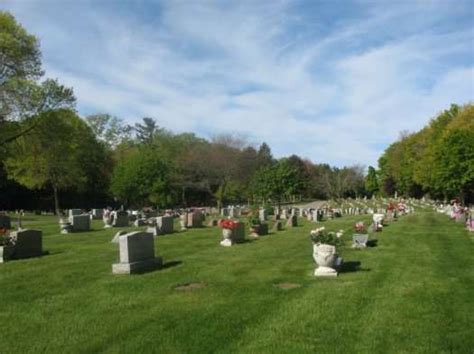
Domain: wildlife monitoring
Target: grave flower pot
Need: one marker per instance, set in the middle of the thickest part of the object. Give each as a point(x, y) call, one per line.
point(326, 258)
point(65, 227)
point(226, 237)
point(359, 240)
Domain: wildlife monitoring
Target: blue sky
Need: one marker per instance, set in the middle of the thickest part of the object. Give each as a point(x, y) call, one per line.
point(333, 81)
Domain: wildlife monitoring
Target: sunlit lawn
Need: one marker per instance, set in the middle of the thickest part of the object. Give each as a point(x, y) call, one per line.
point(413, 292)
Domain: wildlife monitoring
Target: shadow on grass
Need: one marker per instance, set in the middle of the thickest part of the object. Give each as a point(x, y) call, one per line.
point(351, 267)
point(247, 241)
point(171, 264)
point(372, 243)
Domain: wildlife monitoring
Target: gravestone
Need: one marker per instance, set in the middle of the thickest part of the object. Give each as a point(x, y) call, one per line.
point(225, 212)
point(5, 222)
point(107, 218)
point(277, 226)
point(120, 218)
point(154, 230)
point(80, 222)
point(234, 212)
point(73, 212)
point(165, 224)
point(263, 229)
point(139, 222)
point(236, 236)
point(263, 214)
point(183, 220)
point(97, 214)
point(195, 219)
point(292, 221)
point(137, 254)
point(213, 222)
point(27, 243)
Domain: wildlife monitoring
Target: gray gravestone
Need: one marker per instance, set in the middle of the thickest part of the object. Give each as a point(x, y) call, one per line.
point(292, 221)
point(139, 222)
point(120, 219)
point(137, 254)
point(165, 224)
point(263, 229)
point(75, 212)
point(27, 243)
point(195, 219)
point(97, 214)
point(80, 222)
point(238, 234)
point(263, 214)
point(278, 226)
point(234, 212)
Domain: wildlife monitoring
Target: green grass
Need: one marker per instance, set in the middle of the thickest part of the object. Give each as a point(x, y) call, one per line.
point(413, 293)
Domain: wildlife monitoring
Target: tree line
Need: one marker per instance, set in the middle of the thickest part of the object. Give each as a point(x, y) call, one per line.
point(437, 161)
point(50, 157)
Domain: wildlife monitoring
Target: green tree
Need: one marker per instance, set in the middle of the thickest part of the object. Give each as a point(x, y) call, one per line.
point(109, 129)
point(21, 96)
point(277, 181)
point(146, 131)
point(264, 155)
point(371, 182)
point(141, 177)
point(56, 154)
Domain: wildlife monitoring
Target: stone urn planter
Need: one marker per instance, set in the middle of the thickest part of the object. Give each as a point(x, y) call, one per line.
point(107, 219)
point(65, 227)
point(327, 259)
point(360, 240)
point(226, 238)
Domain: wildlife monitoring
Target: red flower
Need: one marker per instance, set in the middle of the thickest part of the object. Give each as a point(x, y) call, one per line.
point(228, 224)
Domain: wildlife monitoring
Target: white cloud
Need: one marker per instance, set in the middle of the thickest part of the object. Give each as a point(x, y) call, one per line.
point(246, 67)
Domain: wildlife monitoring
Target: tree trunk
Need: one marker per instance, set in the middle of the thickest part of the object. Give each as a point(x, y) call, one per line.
point(56, 202)
point(183, 196)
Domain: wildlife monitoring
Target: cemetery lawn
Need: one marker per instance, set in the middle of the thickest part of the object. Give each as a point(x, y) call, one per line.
point(412, 293)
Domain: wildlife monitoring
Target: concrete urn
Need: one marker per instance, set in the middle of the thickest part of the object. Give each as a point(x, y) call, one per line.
point(326, 258)
point(226, 237)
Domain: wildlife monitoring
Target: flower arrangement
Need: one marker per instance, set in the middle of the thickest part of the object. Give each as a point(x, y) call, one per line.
point(4, 237)
point(360, 228)
point(321, 236)
point(228, 224)
point(391, 206)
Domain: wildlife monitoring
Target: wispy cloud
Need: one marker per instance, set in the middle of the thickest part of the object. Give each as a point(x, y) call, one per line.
point(331, 81)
